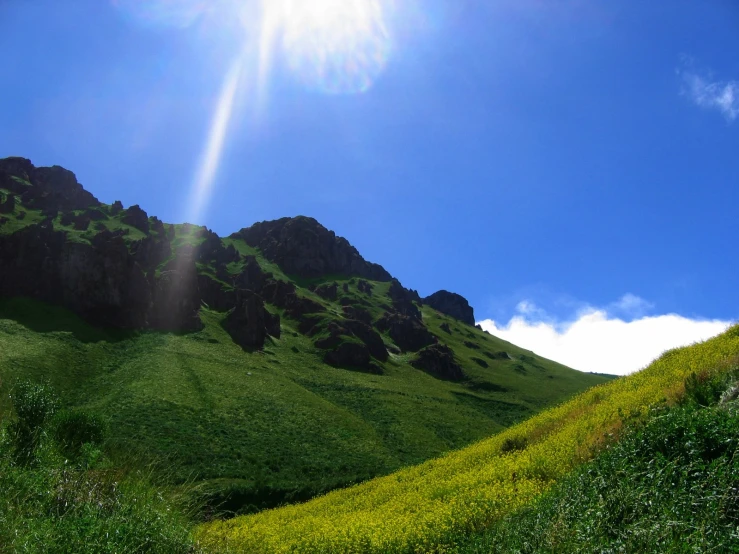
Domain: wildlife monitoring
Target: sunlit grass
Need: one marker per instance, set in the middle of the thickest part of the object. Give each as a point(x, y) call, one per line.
point(423, 508)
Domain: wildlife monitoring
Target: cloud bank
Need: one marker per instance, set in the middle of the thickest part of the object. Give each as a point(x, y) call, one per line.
point(618, 339)
point(710, 94)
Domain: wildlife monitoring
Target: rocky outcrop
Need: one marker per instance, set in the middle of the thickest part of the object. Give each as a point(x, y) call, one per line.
point(110, 279)
point(505, 356)
point(212, 250)
point(116, 207)
point(102, 281)
point(355, 312)
point(151, 251)
point(176, 297)
point(99, 281)
point(52, 188)
point(339, 331)
point(438, 360)
point(253, 278)
point(451, 304)
point(329, 291)
point(215, 295)
point(369, 337)
point(365, 287)
point(351, 355)
point(79, 222)
point(249, 323)
point(403, 300)
point(301, 246)
point(8, 205)
point(409, 333)
point(136, 218)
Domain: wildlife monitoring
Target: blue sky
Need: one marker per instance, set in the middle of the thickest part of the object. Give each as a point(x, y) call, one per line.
point(548, 160)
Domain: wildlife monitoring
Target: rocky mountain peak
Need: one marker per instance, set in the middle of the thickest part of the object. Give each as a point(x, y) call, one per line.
point(301, 246)
point(451, 304)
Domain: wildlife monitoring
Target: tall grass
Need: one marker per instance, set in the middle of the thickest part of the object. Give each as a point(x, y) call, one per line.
point(671, 485)
point(427, 507)
point(65, 497)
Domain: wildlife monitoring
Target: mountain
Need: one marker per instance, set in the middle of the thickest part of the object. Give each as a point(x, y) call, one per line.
point(270, 365)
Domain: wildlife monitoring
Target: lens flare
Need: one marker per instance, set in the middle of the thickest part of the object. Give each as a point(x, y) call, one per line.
point(332, 46)
point(163, 13)
point(205, 177)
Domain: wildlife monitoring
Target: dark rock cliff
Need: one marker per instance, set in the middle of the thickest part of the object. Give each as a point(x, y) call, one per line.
point(301, 246)
point(451, 304)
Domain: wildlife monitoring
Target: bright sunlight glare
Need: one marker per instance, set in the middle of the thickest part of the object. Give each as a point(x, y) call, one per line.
point(333, 46)
point(328, 46)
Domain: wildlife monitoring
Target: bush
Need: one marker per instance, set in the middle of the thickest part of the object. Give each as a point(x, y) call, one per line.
point(34, 404)
point(72, 430)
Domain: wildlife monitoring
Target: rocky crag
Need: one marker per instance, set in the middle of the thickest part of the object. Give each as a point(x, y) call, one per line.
point(121, 268)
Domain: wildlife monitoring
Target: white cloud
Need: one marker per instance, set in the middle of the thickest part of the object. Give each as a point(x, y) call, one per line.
point(706, 93)
point(597, 340)
point(631, 305)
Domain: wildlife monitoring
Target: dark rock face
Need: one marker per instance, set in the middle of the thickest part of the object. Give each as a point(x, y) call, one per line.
point(350, 354)
point(498, 355)
point(94, 214)
point(328, 291)
point(339, 330)
point(136, 218)
point(212, 250)
point(451, 304)
point(51, 187)
point(407, 332)
point(249, 323)
point(253, 278)
point(100, 282)
point(360, 314)
point(403, 300)
point(365, 287)
point(445, 327)
point(369, 337)
point(438, 360)
point(151, 251)
point(471, 345)
point(176, 297)
point(8, 206)
point(302, 246)
point(481, 362)
point(116, 207)
point(79, 222)
point(272, 324)
point(215, 295)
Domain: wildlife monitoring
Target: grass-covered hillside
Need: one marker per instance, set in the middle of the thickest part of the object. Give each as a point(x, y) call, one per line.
point(679, 466)
point(269, 366)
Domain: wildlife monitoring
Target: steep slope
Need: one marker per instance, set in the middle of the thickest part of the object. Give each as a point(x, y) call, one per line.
point(433, 506)
point(272, 365)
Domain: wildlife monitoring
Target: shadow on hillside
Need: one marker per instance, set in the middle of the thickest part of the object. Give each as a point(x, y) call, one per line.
point(45, 318)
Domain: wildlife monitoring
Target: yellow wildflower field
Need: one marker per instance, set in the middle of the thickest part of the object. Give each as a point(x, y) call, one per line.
point(424, 508)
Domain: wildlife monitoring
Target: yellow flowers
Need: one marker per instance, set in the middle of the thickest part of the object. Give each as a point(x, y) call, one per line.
point(423, 508)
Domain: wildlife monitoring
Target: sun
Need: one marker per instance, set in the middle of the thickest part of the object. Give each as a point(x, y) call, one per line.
point(334, 46)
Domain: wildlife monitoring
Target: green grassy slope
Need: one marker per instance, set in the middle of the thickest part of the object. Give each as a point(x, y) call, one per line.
point(277, 424)
point(431, 506)
point(274, 424)
point(668, 486)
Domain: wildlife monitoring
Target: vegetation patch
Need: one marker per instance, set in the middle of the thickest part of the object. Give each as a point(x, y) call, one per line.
point(427, 508)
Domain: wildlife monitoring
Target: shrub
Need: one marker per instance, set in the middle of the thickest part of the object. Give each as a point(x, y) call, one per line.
point(34, 404)
point(72, 430)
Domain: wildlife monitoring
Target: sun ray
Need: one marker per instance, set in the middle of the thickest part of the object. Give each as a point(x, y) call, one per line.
point(208, 168)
